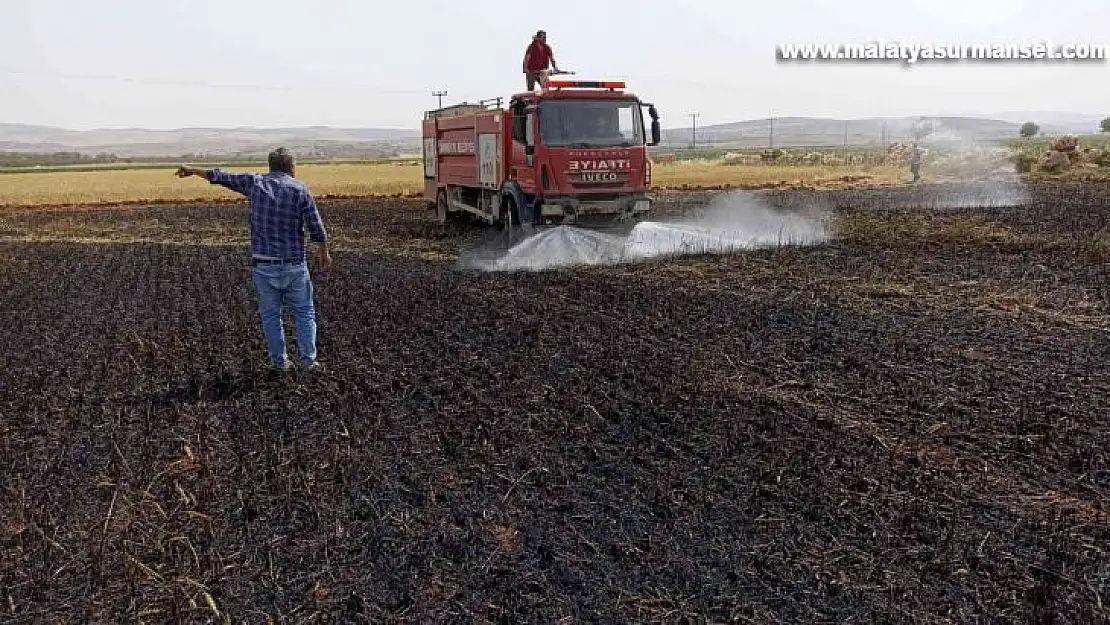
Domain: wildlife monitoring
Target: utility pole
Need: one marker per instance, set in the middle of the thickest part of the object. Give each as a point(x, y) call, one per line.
point(694, 131)
point(845, 133)
point(771, 136)
point(439, 96)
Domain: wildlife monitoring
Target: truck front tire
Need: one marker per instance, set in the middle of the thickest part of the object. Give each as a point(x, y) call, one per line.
point(510, 216)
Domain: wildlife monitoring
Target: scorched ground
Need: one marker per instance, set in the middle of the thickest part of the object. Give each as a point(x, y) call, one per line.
point(906, 425)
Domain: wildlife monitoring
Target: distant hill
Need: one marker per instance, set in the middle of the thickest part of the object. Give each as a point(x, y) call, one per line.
point(813, 131)
point(328, 142)
point(1053, 122)
point(138, 142)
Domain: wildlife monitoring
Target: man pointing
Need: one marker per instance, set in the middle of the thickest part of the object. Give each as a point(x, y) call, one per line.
point(536, 60)
point(281, 208)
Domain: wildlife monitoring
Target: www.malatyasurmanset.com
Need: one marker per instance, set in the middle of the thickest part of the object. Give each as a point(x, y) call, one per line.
point(916, 52)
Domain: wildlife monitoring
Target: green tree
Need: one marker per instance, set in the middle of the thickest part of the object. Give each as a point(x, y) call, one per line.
point(1105, 125)
point(1029, 129)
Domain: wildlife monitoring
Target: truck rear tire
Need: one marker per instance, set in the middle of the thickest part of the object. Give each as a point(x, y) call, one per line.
point(441, 207)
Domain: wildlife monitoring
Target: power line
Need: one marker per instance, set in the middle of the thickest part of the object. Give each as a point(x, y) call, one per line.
point(198, 83)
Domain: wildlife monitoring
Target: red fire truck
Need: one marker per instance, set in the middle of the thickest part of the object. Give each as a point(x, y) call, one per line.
point(574, 152)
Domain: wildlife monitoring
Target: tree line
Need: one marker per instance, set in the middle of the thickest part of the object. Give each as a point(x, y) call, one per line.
point(33, 159)
point(59, 159)
point(10, 159)
point(1032, 129)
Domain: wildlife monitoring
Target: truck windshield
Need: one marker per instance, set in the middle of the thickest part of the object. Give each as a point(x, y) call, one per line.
point(591, 123)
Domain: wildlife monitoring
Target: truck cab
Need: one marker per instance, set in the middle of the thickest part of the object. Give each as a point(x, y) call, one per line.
point(578, 152)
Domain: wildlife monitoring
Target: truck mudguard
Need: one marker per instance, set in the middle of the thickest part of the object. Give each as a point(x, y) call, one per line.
point(524, 209)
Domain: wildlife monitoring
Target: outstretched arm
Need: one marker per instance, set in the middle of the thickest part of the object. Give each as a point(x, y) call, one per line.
point(185, 171)
point(240, 183)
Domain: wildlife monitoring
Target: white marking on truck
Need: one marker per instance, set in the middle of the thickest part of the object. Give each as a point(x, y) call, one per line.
point(456, 147)
point(600, 165)
point(599, 176)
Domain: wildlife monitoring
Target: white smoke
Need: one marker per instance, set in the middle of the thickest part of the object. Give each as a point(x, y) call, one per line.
point(731, 222)
point(978, 173)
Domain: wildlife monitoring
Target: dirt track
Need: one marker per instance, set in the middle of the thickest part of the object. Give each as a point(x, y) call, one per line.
point(907, 425)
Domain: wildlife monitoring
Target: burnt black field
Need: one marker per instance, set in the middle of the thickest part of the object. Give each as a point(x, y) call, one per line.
point(907, 424)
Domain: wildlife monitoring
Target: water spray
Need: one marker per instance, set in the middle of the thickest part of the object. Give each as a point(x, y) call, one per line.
point(729, 223)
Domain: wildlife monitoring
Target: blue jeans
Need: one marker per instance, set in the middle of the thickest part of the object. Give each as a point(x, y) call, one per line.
point(286, 285)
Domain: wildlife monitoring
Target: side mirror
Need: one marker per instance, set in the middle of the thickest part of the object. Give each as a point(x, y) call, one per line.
point(655, 131)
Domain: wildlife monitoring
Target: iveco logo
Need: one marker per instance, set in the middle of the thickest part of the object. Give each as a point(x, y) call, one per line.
point(600, 165)
point(599, 176)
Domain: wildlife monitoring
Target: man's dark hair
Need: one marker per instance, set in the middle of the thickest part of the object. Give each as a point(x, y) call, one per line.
point(281, 160)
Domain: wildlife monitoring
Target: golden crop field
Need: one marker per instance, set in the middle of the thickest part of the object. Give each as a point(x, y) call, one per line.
point(139, 185)
point(708, 174)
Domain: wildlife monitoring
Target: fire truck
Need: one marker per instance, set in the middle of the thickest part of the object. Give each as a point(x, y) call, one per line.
point(575, 152)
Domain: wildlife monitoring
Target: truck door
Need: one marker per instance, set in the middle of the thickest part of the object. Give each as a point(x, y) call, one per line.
point(522, 164)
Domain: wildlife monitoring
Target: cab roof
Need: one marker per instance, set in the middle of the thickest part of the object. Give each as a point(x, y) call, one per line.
point(579, 94)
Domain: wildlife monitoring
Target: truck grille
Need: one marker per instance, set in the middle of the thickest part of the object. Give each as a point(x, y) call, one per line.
point(603, 197)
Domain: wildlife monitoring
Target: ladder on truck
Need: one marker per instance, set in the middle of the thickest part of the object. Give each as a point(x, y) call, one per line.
point(464, 108)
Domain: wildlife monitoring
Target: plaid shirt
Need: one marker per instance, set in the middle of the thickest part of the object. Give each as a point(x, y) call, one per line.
point(281, 207)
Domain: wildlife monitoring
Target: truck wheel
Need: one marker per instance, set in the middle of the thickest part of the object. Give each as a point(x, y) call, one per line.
point(441, 207)
point(510, 218)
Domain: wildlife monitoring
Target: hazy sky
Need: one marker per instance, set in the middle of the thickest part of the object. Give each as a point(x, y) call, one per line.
point(161, 64)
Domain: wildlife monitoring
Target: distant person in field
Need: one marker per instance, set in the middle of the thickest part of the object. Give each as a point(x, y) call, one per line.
point(281, 207)
point(915, 162)
point(536, 61)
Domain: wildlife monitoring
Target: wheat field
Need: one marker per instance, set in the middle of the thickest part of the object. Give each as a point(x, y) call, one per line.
point(399, 178)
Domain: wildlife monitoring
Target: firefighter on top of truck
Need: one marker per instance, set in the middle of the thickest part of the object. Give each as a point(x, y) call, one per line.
point(536, 59)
